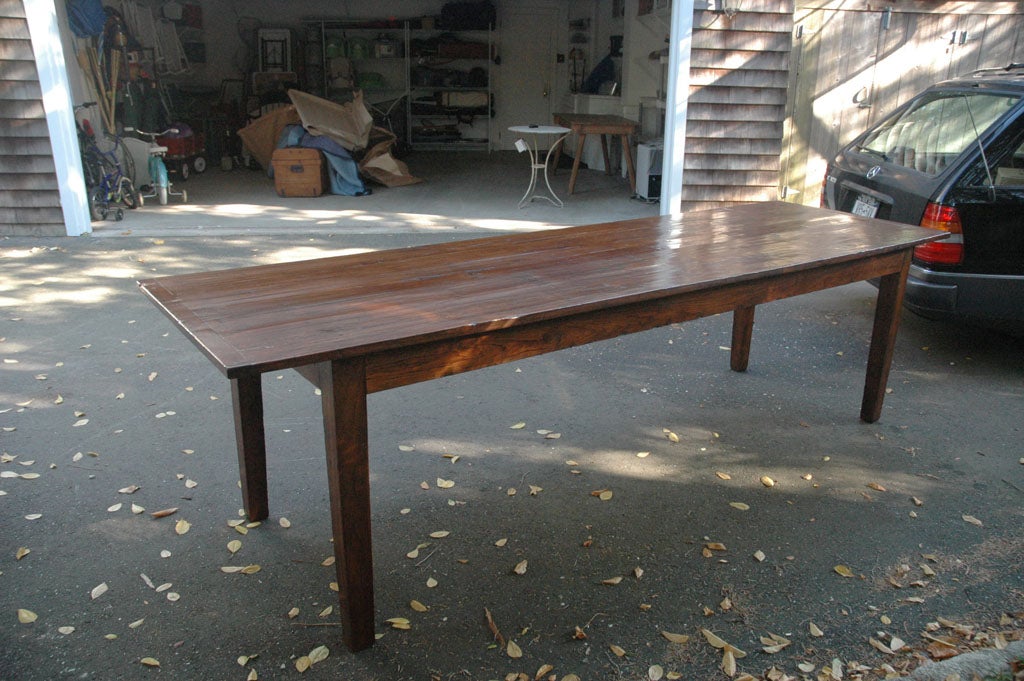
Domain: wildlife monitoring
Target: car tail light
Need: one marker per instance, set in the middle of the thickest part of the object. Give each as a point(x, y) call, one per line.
point(949, 251)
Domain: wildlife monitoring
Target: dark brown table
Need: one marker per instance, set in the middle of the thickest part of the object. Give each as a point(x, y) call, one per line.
point(362, 323)
point(603, 125)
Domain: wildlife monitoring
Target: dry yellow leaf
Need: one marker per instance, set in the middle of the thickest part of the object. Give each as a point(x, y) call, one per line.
point(759, 556)
point(328, 561)
point(130, 489)
point(501, 542)
point(182, 526)
point(137, 623)
point(513, 650)
point(150, 662)
point(767, 482)
point(715, 546)
point(967, 518)
point(234, 545)
point(729, 663)
point(242, 530)
point(285, 523)
point(875, 486)
point(605, 495)
point(253, 676)
point(672, 437)
point(406, 448)
point(66, 630)
point(302, 664)
point(440, 534)
point(98, 590)
point(318, 654)
point(417, 606)
point(431, 582)
point(326, 611)
point(250, 569)
point(136, 509)
point(612, 581)
point(26, 616)
point(726, 604)
point(739, 505)
point(520, 568)
point(445, 484)
point(843, 571)
point(415, 553)
point(534, 490)
point(713, 639)
point(723, 476)
point(916, 501)
point(675, 638)
point(619, 652)
point(21, 553)
point(815, 631)
point(655, 672)
point(293, 613)
point(518, 426)
point(164, 513)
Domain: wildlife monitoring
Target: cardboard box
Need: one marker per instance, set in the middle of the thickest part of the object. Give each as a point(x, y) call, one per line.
point(299, 172)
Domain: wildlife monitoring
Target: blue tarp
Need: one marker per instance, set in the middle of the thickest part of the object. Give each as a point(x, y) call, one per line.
point(343, 172)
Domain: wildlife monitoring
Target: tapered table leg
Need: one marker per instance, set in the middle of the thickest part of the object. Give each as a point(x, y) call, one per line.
point(883, 341)
point(247, 402)
point(742, 332)
point(343, 386)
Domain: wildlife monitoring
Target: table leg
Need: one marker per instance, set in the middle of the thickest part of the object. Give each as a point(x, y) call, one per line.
point(247, 402)
point(576, 161)
point(883, 341)
point(343, 386)
point(742, 332)
point(604, 150)
point(628, 155)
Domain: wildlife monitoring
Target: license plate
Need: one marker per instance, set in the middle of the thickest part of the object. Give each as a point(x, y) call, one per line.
point(865, 205)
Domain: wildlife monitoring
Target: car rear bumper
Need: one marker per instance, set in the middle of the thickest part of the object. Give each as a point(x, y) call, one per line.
point(969, 296)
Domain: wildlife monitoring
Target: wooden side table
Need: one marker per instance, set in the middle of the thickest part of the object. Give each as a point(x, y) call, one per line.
point(598, 124)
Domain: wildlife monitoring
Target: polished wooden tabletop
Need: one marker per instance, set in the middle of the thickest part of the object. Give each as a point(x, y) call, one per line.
point(270, 317)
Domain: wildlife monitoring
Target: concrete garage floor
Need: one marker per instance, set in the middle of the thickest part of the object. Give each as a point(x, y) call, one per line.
point(100, 396)
point(462, 191)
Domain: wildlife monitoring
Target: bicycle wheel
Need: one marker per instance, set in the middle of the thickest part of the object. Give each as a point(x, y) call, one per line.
point(129, 197)
point(97, 204)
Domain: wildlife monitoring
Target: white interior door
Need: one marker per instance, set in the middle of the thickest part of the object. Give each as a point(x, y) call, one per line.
point(528, 56)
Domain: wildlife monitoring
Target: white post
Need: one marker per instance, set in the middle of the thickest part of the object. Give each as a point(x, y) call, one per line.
point(680, 41)
point(60, 116)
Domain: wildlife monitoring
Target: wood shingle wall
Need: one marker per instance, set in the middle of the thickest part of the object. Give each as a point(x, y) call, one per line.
point(738, 77)
point(29, 198)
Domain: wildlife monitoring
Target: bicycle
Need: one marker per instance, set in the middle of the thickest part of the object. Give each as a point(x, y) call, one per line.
point(162, 186)
point(106, 179)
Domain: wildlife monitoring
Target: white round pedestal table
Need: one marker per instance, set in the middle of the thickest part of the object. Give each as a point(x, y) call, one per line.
point(536, 131)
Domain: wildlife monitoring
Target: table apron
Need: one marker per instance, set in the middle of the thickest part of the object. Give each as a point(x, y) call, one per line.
point(437, 359)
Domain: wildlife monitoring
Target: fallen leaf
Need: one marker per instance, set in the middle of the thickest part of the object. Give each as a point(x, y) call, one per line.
point(328, 610)
point(675, 638)
point(713, 639)
point(234, 545)
point(843, 571)
point(406, 448)
point(672, 437)
point(723, 476)
point(805, 667)
point(445, 484)
point(655, 672)
point(605, 495)
point(767, 482)
point(875, 486)
point(431, 582)
point(165, 512)
point(66, 630)
point(26, 616)
point(501, 542)
point(815, 631)
point(544, 669)
point(972, 520)
point(513, 650)
point(619, 652)
point(182, 526)
point(284, 522)
point(729, 663)
point(21, 553)
point(137, 623)
point(520, 568)
point(173, 597)
point(293, 613)
point(612, 581)
point(440, 534)
point(130, 489)
point(759, 556)
point(642, 455)
point(98, 590)
point(136, 509)
point(534, 490)
point(739, 505)
point(302, 664)
point(318, 654)
point(115, 508)
point(879, 646)
point(417, 606)
point(518, 426)
point(150, 662)
point(715, 546)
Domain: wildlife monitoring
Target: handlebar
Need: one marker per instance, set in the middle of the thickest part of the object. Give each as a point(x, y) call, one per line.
point(168, 131)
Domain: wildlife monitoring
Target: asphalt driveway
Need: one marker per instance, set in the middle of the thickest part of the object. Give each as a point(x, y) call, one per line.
point(747, 505)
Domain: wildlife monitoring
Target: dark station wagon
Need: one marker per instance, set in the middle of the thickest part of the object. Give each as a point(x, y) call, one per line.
point(952, 159)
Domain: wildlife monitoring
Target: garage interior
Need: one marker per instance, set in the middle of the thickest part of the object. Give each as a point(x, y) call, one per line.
point(426, 71)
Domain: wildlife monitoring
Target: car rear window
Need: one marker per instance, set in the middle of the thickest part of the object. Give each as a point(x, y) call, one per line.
point(936, 128)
